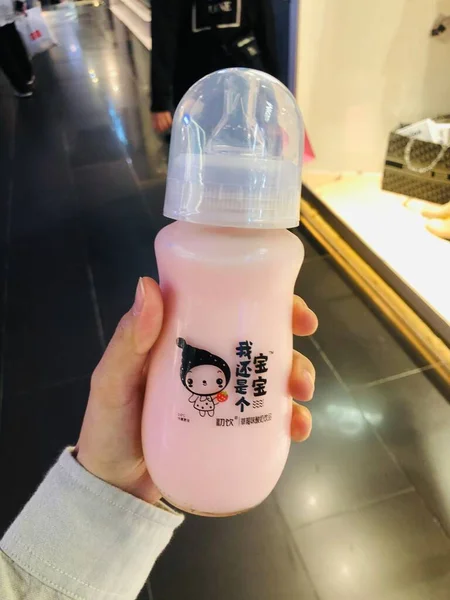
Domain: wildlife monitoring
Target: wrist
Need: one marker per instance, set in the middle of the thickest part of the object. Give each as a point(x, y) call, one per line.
point(130, 477)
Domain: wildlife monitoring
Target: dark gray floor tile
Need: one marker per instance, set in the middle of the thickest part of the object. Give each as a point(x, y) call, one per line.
point(322, 284)
point(72, 71)
point(313, 250)
point(122, 93)
point(146, 150)
point(8, 106)
point(4, 225)
point(35, 427)
point(391, 551)
point(122, 132)
point(42, 195)
point(36, 215)
point(88, 147)
point(7, 131)
point(310, 251)
point(116, 89)
point(48, 82)
point(413, 419)
point(84, 106)
point(51, 331)
point(144, 167)
point(104, 61)
point(360, 347)
point(64, 53)
point(40, 160)
point(48, 285)
point(249, 557)
point(153, 195)
point(38, 112)
point(6, 149)
point(120, 238)
point(104, 184)
point(343, 465)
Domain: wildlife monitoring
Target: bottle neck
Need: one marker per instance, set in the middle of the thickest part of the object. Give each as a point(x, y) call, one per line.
point(221, 230)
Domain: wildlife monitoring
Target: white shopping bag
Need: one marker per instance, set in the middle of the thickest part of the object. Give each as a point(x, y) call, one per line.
point(34, 32)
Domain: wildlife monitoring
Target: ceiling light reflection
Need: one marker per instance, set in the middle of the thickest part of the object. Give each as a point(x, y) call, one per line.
point(350, 420)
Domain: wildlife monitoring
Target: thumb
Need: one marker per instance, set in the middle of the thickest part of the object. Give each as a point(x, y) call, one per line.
point(119, 373)
point(110, 444)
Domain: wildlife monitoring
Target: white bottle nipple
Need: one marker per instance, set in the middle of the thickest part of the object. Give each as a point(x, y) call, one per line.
point(236, 153)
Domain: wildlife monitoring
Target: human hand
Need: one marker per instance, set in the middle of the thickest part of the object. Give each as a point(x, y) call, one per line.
point(110, 443)
point(162, 121)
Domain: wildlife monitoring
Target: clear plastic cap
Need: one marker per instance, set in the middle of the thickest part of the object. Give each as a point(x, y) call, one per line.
point(236, 153)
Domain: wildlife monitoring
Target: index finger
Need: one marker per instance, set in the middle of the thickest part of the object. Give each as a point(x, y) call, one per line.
point(304, 320)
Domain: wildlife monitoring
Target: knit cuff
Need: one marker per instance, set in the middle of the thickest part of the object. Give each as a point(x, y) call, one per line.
point(86, 538)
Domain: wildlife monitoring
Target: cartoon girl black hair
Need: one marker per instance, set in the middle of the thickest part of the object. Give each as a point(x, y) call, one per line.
point(205, 375)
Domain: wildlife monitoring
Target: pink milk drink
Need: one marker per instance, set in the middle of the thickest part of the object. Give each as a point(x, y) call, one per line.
point(216, 424)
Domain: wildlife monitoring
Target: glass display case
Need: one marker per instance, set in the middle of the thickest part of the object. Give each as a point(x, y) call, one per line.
point(362, 70)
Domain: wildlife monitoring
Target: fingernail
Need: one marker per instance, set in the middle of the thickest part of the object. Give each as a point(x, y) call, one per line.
point(310, 379)
point(139, 299)
point(306, 307)
point(311, 313)
point(302, 302)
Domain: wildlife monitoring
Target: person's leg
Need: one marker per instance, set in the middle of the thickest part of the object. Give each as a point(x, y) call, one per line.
point(21, 54)
point(8, 61)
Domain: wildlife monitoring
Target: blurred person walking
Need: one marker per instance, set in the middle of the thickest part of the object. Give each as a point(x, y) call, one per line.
point(191, 38)
point(14, 60)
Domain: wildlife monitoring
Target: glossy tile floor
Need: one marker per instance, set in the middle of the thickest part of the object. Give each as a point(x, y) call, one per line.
point(362, 511)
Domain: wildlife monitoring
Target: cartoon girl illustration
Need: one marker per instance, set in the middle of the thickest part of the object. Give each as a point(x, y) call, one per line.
point(205, 376)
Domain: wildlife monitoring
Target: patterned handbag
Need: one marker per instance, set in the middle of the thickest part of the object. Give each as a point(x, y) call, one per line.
point(418, 169)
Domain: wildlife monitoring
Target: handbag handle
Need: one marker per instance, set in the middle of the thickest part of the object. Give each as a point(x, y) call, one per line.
point(431, 166)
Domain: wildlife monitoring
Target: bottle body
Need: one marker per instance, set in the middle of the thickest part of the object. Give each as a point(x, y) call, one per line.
point(216, 423)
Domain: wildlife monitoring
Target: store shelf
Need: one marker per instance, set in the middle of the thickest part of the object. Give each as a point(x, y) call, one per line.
point(406, 311)
point(396, 234)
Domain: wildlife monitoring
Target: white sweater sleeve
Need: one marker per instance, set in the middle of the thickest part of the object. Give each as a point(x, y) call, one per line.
point(81, 538)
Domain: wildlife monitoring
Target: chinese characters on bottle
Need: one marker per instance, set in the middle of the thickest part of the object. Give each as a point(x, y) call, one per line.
point(244, 421)
point(251, 376)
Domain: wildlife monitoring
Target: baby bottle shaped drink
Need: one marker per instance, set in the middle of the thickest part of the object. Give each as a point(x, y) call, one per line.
point(216, 423)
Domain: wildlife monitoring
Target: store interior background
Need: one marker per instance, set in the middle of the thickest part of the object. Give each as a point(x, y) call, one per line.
point(362, 70)
point(362, 510)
